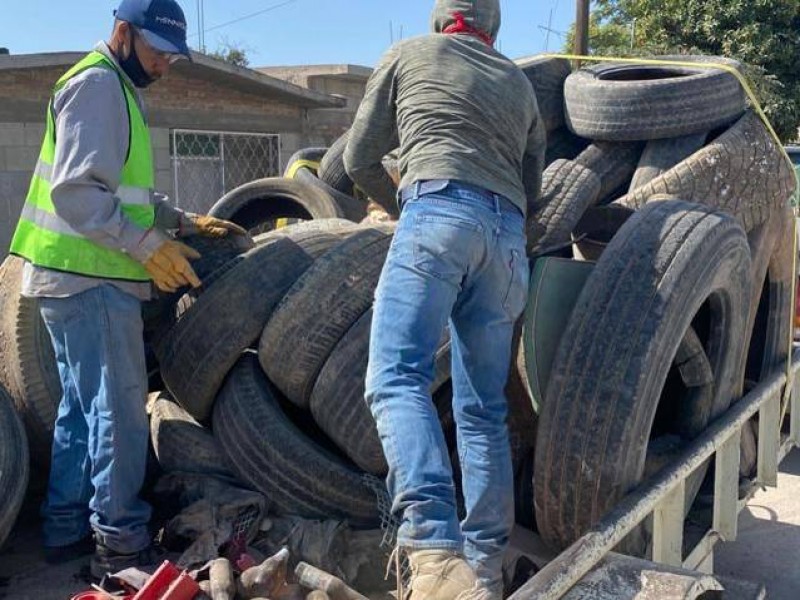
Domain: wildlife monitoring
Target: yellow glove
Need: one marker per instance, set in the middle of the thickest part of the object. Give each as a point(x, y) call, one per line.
point(192, 224)
point(169, 267)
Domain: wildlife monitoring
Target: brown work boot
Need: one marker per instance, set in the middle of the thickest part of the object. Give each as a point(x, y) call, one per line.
point(439, 575)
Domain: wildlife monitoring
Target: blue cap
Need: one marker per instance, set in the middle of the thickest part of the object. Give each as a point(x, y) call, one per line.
point(161, 23)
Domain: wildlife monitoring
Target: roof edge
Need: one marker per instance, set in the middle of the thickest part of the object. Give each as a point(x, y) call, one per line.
point(307, 98)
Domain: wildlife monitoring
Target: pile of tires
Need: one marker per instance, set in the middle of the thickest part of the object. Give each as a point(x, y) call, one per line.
point(665, 179)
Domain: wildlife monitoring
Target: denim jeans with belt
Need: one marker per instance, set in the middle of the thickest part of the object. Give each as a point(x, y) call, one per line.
point(458, 258)
point(101, 431)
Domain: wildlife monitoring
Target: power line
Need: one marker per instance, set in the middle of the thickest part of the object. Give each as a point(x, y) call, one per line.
point(245, 17)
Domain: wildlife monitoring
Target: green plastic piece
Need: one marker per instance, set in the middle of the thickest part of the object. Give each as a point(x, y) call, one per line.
point(556, 284)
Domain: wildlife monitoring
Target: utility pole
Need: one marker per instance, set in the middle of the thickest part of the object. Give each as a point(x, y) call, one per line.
point(582, 28)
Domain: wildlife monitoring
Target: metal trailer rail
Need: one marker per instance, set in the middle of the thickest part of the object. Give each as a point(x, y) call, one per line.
point(663, 495)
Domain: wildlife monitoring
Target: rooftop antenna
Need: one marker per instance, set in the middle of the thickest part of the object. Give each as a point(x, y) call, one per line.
point(201, 26)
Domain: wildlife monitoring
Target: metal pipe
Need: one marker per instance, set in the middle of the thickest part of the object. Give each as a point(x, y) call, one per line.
point(558, 576)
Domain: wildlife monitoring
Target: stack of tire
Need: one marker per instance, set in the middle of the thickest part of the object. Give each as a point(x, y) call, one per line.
point(667, 179)
point(315, 185)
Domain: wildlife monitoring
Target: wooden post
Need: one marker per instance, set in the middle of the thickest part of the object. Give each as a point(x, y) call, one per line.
point(582, 28)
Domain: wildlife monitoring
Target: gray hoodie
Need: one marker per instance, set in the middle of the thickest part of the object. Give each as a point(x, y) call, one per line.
point(457, 108)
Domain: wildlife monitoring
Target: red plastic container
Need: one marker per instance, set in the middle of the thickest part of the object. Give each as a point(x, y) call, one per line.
point(95, 595)
point(168, 583)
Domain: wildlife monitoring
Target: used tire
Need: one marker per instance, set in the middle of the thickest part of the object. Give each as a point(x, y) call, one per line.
point(206, 341)
point(547, 75)
point(181, 444)
point(568, 189)
point(352, 208)
point(301, 160)
point(562, 143)
point(596, 229)
point(743, 172)
point(660, 156)
point(28, 369)
point(331, 168)
point(692, 268)
point(14, 464)
point(261, 202)
point(768, 344)
point(613, 163)
point(159, 314)
point(269, 453)
point(337, 401)
point(319, 309)
point(625, 103)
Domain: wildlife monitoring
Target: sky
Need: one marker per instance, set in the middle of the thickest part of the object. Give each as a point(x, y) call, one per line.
point(287, 32)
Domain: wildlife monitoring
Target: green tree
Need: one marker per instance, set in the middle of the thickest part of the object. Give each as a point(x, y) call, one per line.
point(232, 53)
point(762, 34)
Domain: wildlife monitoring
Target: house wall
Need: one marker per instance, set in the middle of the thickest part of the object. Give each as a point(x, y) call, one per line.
point(178, 102)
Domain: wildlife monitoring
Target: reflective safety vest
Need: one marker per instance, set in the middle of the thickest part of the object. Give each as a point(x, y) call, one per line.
point(46, 240)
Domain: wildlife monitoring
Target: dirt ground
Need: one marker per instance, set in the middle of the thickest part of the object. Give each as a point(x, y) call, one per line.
point(25, 576)
point(766, 551)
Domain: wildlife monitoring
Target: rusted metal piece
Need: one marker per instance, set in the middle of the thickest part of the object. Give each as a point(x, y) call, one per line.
point(560, 575)
point(620, 577)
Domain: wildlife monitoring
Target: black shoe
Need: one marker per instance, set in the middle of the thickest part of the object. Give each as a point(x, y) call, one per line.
point(106, 560)
point(56, 555)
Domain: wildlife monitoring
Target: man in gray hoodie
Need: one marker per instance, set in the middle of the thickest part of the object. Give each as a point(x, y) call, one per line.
point(466, 122)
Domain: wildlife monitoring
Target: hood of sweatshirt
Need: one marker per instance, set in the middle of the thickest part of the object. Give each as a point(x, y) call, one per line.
point(483, 15)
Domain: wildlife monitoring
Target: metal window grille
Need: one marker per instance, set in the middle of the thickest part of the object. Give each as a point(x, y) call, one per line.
point(208, 164)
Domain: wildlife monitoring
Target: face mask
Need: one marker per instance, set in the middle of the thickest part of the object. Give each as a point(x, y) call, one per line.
point(133, 68)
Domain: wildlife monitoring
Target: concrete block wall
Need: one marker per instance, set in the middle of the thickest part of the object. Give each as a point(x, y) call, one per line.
point(19, 149)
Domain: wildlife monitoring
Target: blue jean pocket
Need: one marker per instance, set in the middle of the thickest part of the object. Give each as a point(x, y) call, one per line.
point(444, 245)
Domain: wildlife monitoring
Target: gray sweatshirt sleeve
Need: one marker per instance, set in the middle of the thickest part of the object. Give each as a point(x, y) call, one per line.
point(533, 162)
point(91, 124)
point(374, 134)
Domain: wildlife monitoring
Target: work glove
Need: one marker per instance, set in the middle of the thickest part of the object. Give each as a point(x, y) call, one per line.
point(169, 268)
point(193, 224)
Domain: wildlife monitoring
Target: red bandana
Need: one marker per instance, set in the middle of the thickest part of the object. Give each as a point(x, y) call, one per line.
point(461, 26)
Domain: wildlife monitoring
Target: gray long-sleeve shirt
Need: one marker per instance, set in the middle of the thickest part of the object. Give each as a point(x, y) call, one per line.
point(91, 122)
point(459, 109)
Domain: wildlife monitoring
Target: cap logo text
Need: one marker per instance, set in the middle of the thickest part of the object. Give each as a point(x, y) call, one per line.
point(172, 22)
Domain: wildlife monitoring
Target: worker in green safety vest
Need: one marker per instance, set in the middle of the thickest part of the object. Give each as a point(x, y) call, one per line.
point(95, 237)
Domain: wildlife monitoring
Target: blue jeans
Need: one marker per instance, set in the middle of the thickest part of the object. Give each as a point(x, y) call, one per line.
point(458, 258)
point(101, 431)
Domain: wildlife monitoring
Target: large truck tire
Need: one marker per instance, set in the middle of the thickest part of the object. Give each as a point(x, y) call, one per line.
point(628, 103)
point(202, 346)
point(272, 455)
point(742, 172)
point(692, 269)
point(14, 464)
point(28, 369)
point(319, 308)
